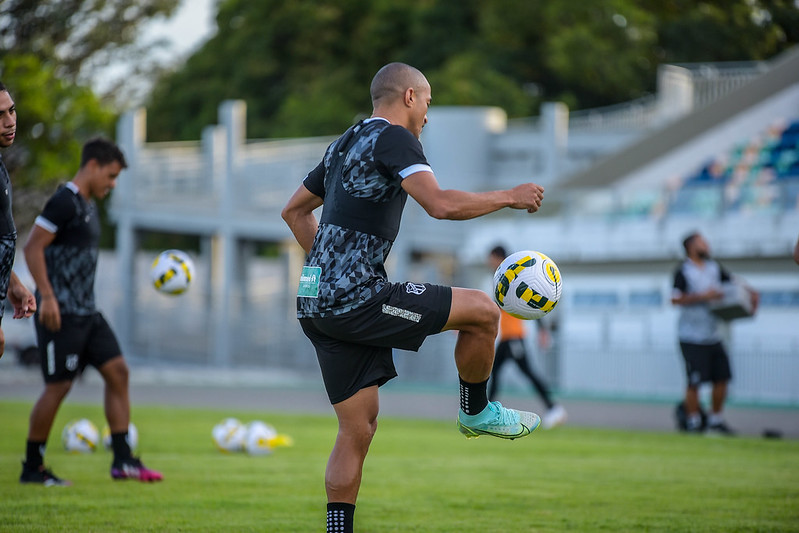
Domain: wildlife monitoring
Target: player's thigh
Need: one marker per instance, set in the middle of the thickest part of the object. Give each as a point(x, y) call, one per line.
point(358, 413)
point(720, 364)
point(348, 367)
point(471, 308)
point(102, 345)
point(697, 363)
point(402, 315)
point(61, 352)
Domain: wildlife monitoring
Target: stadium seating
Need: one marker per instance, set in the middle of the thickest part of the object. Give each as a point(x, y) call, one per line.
point(761, 175)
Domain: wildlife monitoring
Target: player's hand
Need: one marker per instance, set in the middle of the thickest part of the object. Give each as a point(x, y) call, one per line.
point(527, 196)
point(713, 294)
point(22, 299)
point(50, 314)
point(2, 343)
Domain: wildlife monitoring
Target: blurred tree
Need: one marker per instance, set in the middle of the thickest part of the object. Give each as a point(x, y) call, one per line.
point(304, 67)
point(75, 35)
point(54, 118)
point(48, 50)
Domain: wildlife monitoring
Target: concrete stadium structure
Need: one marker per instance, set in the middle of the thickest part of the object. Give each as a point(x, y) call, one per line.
point(619, 200)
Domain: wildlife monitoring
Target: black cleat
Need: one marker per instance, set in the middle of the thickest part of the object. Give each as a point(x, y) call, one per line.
point(42, 476)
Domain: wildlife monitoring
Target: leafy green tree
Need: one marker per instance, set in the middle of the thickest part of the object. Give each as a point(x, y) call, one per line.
point(304, 66)
point(75, 35)
point(53, 119)
point(48, 50)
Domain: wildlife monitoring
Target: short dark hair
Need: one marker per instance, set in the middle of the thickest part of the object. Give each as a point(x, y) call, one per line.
point(689, 239)
point(499, 251)
point(103, 151)
point(2, 87)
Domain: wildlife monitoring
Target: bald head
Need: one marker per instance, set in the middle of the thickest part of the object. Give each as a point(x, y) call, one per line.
point(393, 80)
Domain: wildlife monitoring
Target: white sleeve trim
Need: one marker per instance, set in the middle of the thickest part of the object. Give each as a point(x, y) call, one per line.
point(413, 169)
point(46, 224)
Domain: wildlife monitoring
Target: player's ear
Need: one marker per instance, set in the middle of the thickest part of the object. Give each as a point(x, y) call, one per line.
point(409, 96)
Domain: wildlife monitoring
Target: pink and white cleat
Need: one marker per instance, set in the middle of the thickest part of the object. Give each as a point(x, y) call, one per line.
point(133, 468)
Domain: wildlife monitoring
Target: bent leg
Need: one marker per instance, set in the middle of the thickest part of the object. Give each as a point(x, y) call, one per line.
point(476, 317)
point(357, 424)
point(117, 399)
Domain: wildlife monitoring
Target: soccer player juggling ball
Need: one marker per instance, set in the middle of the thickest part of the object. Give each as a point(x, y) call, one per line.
point(347, 307)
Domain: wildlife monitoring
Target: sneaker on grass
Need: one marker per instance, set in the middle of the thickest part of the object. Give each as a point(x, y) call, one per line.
point(41, 476)
point(719, 429)
point(498, 421)
point(554, 417)
point(133, 468)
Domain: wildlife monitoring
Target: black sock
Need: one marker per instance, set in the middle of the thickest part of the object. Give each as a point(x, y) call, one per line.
point(340, 517)
point(34, 454)
point(473, 397)
point(119, 444)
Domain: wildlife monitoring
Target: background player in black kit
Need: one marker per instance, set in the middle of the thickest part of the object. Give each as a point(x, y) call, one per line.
point(347, 307)
point(10, 286)
point(61, 253)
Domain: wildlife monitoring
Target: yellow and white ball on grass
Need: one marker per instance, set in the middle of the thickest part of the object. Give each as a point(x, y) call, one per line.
point(527, 285)
point(262, 438)
point(80, 436)
point(133, 437)
point(229, 435)
point(172, 272)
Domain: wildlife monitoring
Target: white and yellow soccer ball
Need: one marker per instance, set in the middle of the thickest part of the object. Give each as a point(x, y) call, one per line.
point(133, 437)
point(260, 439)
point(527, 285)
point(80, 436)
point(172, 272)
point(229, 435)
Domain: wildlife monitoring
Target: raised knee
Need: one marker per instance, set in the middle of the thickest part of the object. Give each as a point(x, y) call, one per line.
point(489, 314)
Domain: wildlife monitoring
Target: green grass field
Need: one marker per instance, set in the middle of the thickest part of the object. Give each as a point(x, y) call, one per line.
point(420, 476)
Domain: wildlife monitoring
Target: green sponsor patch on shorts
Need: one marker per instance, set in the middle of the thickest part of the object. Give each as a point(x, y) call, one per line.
point(309, 282)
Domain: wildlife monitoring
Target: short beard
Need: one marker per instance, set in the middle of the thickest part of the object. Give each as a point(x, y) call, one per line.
point(703, 255)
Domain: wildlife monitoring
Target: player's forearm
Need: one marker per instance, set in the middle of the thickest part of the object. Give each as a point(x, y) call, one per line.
point(462, 205)
point(14, 281)
point(304, 230)
point(692, 298)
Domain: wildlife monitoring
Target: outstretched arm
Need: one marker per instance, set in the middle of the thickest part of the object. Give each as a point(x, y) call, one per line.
point(299, 216)
point(453, 204)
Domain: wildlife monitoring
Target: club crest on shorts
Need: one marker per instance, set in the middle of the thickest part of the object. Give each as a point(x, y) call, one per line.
point(414, 288)
point(72, 362)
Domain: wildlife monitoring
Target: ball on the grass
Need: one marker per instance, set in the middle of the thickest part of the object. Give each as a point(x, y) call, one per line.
point(228, 435)
point(260, 438)
point(80, 436)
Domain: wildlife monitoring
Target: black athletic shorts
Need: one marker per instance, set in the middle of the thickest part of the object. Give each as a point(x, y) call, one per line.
point(705, 363)
point(354, 349)
point(82, 340)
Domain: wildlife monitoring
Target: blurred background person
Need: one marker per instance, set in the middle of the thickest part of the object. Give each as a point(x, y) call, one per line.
point(512, 347)
point(697, 283)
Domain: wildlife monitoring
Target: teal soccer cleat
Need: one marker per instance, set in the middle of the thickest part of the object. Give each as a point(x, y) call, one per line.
point(498, 421)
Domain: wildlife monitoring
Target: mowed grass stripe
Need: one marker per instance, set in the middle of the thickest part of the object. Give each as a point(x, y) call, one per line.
point(420, 475)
